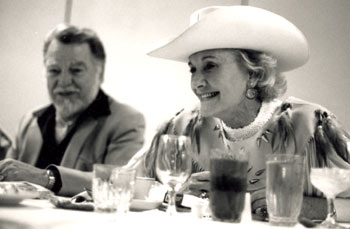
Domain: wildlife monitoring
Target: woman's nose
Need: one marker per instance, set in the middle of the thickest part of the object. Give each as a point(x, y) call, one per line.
point(198, 81)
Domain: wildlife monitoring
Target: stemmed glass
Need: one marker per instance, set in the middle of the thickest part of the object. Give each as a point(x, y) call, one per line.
point(173, 165)
point(330, 181)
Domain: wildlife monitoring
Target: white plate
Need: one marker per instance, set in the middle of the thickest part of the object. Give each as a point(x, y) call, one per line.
point(13, 199)
point(142, 205)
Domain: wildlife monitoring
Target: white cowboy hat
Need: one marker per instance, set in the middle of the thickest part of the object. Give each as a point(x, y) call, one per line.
point(240, 27)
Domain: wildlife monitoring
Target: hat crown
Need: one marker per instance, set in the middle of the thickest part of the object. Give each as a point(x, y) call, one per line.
point(238, 27)
point(197, 15)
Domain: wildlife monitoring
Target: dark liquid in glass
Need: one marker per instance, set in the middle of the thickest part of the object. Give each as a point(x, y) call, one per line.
point(228, 186)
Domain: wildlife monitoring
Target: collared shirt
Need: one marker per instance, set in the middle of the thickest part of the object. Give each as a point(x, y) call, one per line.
point(52, 152)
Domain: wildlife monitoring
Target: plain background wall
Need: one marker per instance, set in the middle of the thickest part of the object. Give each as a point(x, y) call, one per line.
point(159, 88)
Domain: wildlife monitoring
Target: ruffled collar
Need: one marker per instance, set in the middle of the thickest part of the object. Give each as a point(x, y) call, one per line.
point(264, 115)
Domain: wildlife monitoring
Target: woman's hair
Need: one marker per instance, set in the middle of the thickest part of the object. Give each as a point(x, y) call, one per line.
point(69, 34)
point(271, 83)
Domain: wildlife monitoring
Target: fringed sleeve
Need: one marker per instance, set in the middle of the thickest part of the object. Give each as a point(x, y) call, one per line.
point(311, 161)
point(310, 130)
point(283, 140)
point(326, 148)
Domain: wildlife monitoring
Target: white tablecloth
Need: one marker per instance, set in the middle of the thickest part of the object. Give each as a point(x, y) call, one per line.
point(40, 214)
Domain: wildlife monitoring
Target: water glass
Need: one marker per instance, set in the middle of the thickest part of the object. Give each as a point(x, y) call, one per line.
point(284, 188)
point(112, 188)
point(102, 191)
point(123, 186)
point(173, 165)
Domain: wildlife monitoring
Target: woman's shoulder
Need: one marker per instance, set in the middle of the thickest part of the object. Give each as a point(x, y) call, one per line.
point(303, 105)
point(303, 121)
point(301, 111)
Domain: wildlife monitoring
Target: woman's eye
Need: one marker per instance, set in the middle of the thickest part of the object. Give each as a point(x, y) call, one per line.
point(209, 66)
point(192, 70)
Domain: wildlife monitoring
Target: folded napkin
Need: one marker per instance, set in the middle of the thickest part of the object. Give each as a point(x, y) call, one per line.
point(78, 202)
point(24, 188)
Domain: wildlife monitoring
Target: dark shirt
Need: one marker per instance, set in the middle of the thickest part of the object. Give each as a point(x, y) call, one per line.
point(52, 152)
point(5, 144)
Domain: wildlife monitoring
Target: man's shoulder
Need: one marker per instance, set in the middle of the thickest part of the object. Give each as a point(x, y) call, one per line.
point(29, 119)
point(36, 112)
point(122, 109)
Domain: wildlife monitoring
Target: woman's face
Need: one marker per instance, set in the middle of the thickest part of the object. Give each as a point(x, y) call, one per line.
point(218, 82)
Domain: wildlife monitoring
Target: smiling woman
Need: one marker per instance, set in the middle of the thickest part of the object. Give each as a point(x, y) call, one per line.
point(237, 77)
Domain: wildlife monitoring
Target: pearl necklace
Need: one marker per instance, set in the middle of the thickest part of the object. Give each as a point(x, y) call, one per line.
point(264, 115)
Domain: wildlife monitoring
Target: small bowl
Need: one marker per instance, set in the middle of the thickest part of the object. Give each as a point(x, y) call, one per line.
point(142, 187)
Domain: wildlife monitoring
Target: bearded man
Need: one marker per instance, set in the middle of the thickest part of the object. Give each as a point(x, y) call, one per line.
point(56, 146)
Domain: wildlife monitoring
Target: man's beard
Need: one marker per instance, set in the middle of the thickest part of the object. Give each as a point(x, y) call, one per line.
point(69, 108)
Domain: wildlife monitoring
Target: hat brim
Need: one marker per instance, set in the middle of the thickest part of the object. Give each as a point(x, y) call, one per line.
point(240, 27)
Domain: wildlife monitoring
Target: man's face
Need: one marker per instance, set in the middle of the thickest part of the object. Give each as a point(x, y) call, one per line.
point(74, 77)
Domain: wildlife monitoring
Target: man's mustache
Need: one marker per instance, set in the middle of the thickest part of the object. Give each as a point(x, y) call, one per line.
point(66, 90)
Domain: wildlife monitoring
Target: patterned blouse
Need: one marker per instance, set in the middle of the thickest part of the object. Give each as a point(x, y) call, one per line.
point(292, 126)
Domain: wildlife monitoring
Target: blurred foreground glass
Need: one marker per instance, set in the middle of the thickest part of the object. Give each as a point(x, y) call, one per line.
point(123, 186)
point(173, 165)
point(102, 191)
point(112, 188)
point(228, 184)
point(330, 181)
point(284, 188)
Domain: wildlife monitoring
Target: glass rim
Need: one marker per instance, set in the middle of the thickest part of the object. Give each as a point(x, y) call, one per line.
point(278, 156)
point(123, 170)
point(104, 165)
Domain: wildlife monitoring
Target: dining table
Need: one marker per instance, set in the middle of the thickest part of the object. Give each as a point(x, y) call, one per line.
point(42, 214)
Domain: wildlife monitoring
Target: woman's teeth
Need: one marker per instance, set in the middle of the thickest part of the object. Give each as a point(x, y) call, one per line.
point(208, 95)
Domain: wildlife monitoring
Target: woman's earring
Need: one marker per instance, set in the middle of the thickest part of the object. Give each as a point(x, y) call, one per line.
point(251, 92)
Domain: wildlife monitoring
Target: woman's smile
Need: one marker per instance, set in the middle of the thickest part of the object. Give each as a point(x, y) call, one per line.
point(208, 96)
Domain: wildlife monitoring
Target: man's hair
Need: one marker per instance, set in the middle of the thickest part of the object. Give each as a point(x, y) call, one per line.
point(70, 34)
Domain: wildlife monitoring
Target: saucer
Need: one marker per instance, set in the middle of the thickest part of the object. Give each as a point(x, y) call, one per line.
point(143, 205)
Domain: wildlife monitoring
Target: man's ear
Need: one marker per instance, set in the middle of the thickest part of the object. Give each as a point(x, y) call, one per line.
point(100, 72)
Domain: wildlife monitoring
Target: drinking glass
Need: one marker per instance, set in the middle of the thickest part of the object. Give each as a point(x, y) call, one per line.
point(228, 184)
point(173, 165)
point(102, 191)
point(284, 188)
point(123, 186)
point(330, 181)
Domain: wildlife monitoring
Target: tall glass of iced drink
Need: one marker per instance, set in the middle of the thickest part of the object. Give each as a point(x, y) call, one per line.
point(228, 184)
